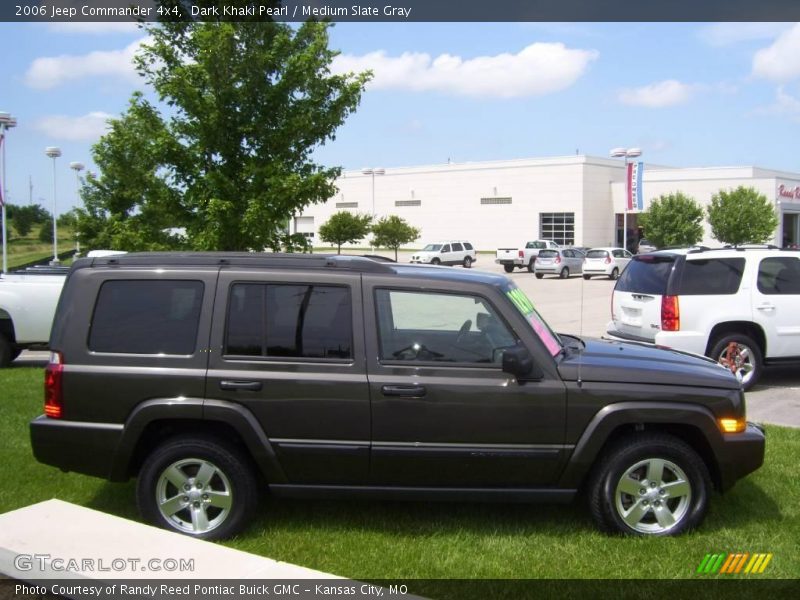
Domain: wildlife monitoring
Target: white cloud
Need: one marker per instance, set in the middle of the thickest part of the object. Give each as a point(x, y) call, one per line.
point(49, 72)
point(726, 34)
point(658, 95)
point(540, 68)
point(780, 61)
point(785, 105)
point(89, 127)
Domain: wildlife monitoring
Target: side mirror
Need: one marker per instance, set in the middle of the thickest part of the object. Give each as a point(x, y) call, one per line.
point(518, 361)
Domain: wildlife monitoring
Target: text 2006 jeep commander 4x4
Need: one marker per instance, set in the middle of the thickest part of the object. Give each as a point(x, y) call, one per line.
point(213, 376)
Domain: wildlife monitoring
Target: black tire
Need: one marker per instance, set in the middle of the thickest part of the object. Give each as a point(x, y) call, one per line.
point(508, 268)
point(739, 352)
point(7, 352)
point(683, 472)
point(435, 261)
point(564, 273)
point(614, 274)
point(467, 262)
point(231, 480)
point(587, 277)
point(531, 265)
point(539, 275)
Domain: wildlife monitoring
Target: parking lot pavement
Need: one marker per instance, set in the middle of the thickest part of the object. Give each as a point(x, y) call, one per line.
point(583, 308)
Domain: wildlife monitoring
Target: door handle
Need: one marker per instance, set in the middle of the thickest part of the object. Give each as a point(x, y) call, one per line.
point(766, 306)
point(404, 391)
point(240, 385)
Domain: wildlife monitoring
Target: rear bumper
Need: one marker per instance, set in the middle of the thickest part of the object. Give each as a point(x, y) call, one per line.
point(508, 261)
point(87, 448)
point(743, 454)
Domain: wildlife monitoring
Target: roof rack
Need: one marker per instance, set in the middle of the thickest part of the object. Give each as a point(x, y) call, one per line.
point(243, 259)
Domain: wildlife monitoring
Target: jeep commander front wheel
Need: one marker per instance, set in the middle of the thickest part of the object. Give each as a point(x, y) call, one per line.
point(197, 486)
point(650, 484)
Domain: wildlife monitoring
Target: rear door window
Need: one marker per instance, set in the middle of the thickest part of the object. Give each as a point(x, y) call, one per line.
point(715, 276)
point(457, 247)
point(646, 275)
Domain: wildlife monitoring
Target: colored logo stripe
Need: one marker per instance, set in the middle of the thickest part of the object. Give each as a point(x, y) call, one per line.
point(734, 563)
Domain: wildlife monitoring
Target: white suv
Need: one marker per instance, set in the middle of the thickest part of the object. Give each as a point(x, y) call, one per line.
point(739, 306)
point(453, 252)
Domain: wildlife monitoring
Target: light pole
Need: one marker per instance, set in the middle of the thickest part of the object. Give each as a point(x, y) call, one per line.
point(54, 152)
point(625, 154)
point(77, 167)
point(373, 172)
point(6, 123)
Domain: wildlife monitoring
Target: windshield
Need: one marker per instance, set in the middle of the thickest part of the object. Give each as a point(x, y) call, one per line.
point(596, 254)
point(432, 248)
point(542, 329)
point(536, 245)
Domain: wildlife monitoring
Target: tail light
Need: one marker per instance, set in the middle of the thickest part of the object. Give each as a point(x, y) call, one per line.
point(558, 260)
point(608, 259)
point(521, 254)
point(670, 314)
point(53, 396)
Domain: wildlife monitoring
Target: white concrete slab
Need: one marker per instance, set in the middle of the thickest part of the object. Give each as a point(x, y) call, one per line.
point(56, 539)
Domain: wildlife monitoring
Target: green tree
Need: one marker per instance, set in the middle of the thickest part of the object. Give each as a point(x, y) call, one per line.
point(392, 232)
point(673, 220)
point(229, 158)
point(25, 217)
point(46, 231)
point(344, 228)
point(741, 216)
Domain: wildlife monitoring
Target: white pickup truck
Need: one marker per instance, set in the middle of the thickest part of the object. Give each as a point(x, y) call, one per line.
point(27, 304)
point(516, 258)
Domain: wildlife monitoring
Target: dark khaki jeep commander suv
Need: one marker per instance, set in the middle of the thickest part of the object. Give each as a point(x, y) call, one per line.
point(211, 377)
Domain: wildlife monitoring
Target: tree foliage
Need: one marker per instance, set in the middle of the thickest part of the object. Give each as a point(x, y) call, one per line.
point(392, 232)
point(741, 216)
point(228, 158)
point(25, 217)
point(46, 231)
point(345, 228)
point(673, 220)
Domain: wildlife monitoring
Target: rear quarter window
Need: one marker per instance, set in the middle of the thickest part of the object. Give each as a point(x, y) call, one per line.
point(716, 276)
point(646, 275)
point(146, 317)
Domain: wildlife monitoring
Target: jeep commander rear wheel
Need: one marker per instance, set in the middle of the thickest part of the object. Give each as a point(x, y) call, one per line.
point(649, 484)
point(197, 486)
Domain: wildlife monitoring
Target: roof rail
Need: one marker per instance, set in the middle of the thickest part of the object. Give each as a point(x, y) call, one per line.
point(751, 247)
point(245, 259)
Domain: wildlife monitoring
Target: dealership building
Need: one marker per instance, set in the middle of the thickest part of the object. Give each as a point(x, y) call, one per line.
point(574, 200)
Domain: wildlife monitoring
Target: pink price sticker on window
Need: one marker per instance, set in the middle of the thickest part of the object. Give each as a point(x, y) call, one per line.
point(525, 306)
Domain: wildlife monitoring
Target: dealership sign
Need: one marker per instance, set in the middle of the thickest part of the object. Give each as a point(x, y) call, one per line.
point(789, 192)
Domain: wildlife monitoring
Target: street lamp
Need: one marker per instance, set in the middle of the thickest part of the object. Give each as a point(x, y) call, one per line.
point(54, 152)
point(625, 154)
point(6, 123)
point(77, 167)
point(373, 172)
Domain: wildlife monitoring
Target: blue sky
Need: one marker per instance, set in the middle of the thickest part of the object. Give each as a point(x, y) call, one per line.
point(687, 94)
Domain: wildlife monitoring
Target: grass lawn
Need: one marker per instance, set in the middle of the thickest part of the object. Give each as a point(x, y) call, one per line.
point(22, 250)
point(388, 540)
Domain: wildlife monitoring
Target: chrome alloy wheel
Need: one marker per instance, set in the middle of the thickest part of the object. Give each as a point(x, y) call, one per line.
point(653, 496)
point(194, 496)
point(738, 358)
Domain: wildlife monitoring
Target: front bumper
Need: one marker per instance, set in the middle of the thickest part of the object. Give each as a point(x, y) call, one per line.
point(743, 453)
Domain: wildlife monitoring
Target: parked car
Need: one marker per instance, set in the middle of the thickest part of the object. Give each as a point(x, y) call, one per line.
point(738, 306)
point(605, 261)
point(28, 301)
point(209, 376)
point(517, 258)
point(454, 252)
point(645, 246)
point(563, 262)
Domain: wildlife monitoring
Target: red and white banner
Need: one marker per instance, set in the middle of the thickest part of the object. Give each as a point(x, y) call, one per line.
point(634, 186)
